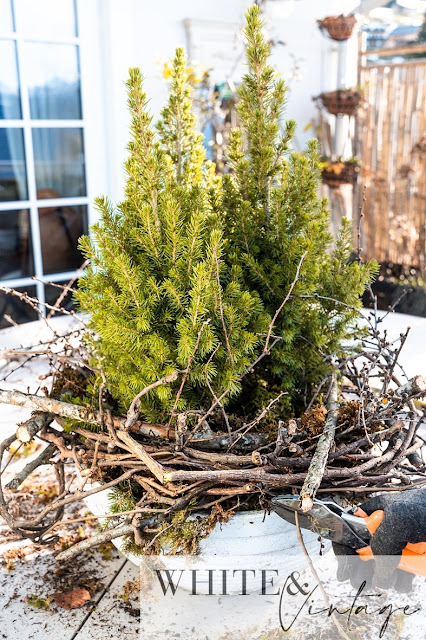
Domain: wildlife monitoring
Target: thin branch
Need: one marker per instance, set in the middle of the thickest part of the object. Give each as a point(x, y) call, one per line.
point(278, 311)
point(317, 579)
point(140, 452)
point(105, 516)
point(41, 459)
point(133, 412)
point(225, 393)
point(28, 429)
point(66, 289)
point(389, 373)
point(187, 370)
point(245, 428)
point(95, 540)
point(319, 460)
point(78, 495)
point(34, 304)
point(48, 405)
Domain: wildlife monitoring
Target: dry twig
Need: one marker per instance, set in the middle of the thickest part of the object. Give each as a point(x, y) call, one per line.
point(318, 581)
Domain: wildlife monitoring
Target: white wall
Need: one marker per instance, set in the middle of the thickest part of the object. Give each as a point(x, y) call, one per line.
point(142, 33)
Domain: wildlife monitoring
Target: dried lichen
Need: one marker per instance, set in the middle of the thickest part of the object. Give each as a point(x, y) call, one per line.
point(348, 413)
point(131, 590)
point(181, 535)
point(69, 381)
point(313, 422)
point(106, 550)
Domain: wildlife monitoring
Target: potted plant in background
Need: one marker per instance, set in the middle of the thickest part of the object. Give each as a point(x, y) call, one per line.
point(218, 311)
point(341, 101)
point(338, 27)
point(334, 173)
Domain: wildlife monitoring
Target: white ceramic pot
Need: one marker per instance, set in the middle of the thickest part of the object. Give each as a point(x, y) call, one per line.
point(258, 554)
point(265, 538)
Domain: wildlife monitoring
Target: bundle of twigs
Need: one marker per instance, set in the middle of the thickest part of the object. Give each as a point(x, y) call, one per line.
point(359, 439)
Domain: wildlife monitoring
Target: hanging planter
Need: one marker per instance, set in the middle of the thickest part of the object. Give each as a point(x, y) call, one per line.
point(336, 173)
point(338, 27)
point(341, 101)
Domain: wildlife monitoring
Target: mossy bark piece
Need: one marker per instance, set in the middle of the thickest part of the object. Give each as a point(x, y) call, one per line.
point(414, 387)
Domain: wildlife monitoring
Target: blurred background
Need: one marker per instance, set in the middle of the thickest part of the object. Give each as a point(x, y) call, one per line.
point(356, 83)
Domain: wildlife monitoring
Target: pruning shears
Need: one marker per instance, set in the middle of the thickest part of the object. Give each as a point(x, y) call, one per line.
point(352, 528)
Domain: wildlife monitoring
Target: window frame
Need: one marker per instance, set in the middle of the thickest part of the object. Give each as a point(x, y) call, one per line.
point(91, 123)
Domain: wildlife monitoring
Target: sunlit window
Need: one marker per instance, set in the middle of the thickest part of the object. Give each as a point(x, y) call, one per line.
point(43, 193)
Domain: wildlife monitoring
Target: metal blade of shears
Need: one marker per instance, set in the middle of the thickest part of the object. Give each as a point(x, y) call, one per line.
point(326, 519)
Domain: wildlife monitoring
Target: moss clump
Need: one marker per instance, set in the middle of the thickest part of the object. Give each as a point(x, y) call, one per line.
point(37, 601)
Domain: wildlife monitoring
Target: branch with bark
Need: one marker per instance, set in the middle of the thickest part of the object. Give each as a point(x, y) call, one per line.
point(319, 460)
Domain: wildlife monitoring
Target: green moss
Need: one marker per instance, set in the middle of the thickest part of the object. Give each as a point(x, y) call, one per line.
point(122, 498)
point(37, 601)
point(106, 550)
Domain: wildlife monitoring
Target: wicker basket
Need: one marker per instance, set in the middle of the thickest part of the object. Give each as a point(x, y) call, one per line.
point(342, 101)
point(336, 175)
point(338, 27)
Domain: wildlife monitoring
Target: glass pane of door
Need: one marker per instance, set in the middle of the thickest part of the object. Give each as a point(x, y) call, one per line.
point(60, 229)
point(13, 175)
point(15, 245)
point(46, 18)
point(59, 162)
point(6, 16)
point(15, 309)
point(53, 76)
point(10, 103)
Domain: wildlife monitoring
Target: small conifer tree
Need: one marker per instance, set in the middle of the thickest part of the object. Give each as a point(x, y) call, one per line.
point(160, 294)
point(277, 229)
point(191, 270)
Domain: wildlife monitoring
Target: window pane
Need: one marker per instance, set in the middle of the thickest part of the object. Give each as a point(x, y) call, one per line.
point(60, 229)
point(53, 80)
point(16, 309)
point(59, 162)
point(6, 17)
point(58, 294)
point(13, 177)
point(15, 245)
point(10, 104)
point(46, 18)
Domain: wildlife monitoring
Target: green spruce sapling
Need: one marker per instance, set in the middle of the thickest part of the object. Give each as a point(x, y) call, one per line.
point(277, 230)
point(161, 295)
point(189, 273)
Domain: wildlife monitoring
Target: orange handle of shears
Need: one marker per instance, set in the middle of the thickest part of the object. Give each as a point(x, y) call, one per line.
point(413, 558)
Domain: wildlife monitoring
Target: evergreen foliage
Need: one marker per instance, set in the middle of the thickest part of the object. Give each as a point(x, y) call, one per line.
point(272, 216)
point(159, 291)
point(189, 270)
